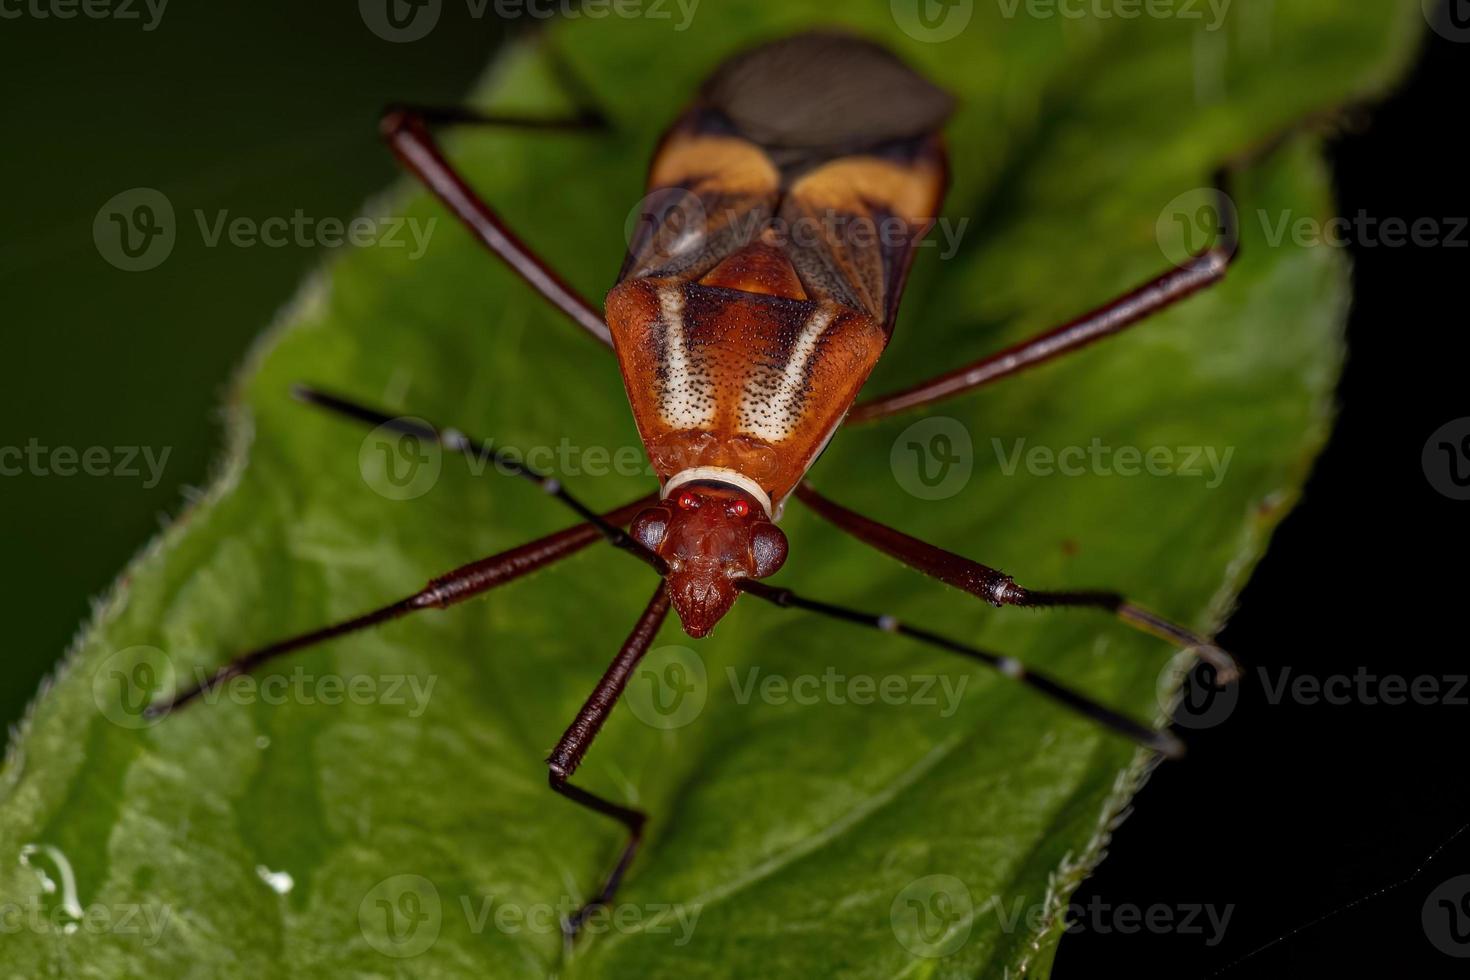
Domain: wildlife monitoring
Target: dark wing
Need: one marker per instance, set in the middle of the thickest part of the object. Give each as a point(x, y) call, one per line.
point(829, 136)
point(825, 91)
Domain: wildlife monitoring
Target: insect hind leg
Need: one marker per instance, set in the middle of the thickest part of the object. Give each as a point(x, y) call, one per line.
point(408, 130)
point(1162, 742)
point(1166, 290)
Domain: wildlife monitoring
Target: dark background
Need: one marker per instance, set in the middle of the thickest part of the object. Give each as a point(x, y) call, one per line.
point(1285, 812)
point(1290, 810)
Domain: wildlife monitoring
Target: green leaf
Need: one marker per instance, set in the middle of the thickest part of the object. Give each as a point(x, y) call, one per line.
point(275, 832)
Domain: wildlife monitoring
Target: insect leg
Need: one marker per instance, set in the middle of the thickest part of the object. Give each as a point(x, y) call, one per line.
point(441, 592)
point(478, 449)
point(406, 129)
point(1162, 742)
point(568, 753)
point(1154, 296)
point(999, 589)
point(1114, 317)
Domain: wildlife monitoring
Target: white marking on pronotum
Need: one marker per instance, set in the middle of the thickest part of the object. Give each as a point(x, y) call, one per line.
point(721, 475)
point(770, 413)
point(682, 406)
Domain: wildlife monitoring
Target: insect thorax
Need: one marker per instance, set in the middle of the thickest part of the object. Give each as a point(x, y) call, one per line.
point(721, 377)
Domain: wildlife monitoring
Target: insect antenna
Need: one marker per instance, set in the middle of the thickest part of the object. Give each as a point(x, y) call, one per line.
point(1163, 742)
point(480, 450)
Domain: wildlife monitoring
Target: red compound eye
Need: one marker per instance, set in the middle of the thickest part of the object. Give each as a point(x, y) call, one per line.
point(739, 509)
point(688, 501)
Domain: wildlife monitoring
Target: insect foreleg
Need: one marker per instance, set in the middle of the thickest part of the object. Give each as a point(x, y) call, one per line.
point(568, 753)
point(441, 592)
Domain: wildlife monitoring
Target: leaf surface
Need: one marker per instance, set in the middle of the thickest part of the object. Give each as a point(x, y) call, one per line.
point(825, 801)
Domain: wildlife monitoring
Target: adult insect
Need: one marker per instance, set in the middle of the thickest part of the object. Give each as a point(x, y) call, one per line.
point(743, 346)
